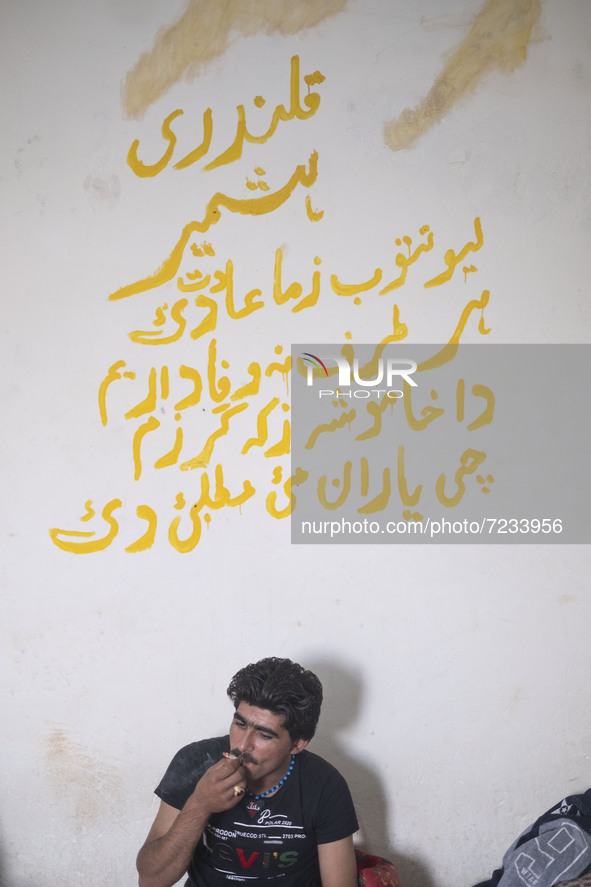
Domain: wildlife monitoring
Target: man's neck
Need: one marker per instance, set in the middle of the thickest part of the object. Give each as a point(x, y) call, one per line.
point(259, 786)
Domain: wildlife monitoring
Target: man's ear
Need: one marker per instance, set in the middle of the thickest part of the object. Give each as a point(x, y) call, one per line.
point(299, 746)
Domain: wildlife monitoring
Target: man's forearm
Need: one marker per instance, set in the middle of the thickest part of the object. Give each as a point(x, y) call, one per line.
point(337, 864)
point(168, 849)
point(162, 861)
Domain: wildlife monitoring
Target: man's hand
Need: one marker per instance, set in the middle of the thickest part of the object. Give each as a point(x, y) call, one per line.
point(217, 790)
point(167, 851)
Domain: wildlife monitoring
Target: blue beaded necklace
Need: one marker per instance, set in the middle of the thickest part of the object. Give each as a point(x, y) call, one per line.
point(275, 787)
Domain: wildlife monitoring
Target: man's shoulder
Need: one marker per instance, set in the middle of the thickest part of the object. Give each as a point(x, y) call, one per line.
point(317, 767)
point(327, 799)
point(197, 757)
point(215, 742)
point(187, 767)
point(203, 749)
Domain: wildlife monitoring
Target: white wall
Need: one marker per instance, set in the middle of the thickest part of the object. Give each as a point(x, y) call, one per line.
point(456, 676)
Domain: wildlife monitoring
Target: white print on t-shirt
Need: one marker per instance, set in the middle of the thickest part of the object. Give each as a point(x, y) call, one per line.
point(277, 819)
point(271, 829)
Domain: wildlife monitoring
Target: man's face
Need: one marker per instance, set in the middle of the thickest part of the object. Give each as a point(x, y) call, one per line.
point(263, 743)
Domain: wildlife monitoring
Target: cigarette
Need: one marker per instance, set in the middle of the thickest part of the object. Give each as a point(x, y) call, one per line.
point(228, 754)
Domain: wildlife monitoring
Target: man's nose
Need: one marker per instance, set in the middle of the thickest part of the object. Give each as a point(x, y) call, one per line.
point(246, 740)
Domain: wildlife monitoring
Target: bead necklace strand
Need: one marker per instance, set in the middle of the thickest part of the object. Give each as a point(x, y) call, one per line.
point(275, 787)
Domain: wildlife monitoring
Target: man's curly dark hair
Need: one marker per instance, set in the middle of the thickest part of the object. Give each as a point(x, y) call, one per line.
point(283, 687)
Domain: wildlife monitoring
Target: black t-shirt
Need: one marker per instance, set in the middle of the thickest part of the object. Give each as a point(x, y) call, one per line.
point(277, 841)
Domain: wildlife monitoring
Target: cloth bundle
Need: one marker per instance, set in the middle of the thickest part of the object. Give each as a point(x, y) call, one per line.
point(374, 871)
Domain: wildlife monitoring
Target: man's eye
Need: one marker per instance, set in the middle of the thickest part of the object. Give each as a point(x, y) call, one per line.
point(265, 736)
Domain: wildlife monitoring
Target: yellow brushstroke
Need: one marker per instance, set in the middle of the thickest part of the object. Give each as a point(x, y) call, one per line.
point(283, 446)
point(297, 478)
point(340, 422)
point(255, 206)
point(183, 546)
point(90, 545)
point(151, 425)
point(204, 457)
point(449, 351)
point(144, 512)
point(498, 39)
point(342, 497)
point(202, 34)
point(262, 427)
point(313, 215)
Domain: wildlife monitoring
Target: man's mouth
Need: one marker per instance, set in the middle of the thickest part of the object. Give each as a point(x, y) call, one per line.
point(244, 756)
point(248, 759)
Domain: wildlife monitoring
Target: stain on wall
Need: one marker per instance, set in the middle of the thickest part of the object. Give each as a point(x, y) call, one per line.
point(85, 784)
point(498, 39)
point(203, 33)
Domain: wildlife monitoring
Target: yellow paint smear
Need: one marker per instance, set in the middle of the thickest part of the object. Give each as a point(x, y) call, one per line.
point(498, 39)
point(203, 33)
